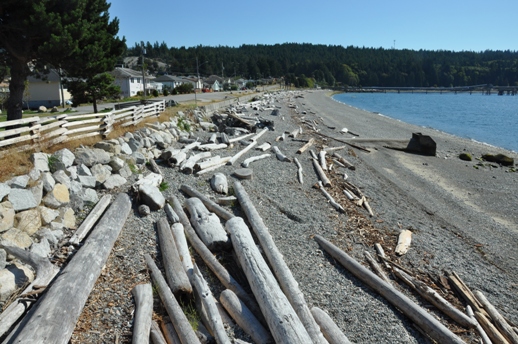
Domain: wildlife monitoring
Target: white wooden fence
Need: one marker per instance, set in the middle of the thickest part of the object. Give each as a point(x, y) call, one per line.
point(67, 127)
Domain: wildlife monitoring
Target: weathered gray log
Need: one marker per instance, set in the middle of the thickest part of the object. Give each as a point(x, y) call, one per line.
point(91, 219)
point(347, 164)
point(171, 215)
point(45, 273)
point(224, 138)
point(242, 152)
point(299, 171)
point(381, 254)
point(438, 301)
point(207, 225)
point(183, 250)
point(55, 315)
point(421, 317)
point(294, 133)
point(480, 330)
point(188, 165)
point(170, 333)
point(490, 329)
point(286, 280)
point(157, 337)
point(306, 146)
point(264, 147)
point(177, 159)
point(244, 317)
point(154, 167)
point(212, 146)
point(174, 271)
point(282, 320)
point(498, 319)
point(322, 160)
point(330, 198)
point(332, 149)
point(248, 161)
point(375, 266)
point(219, 183)
point(212, 263)
point(321, 173)
point(213, 138)
point(179, 320)
point(331, 332)
point(211, 205)
point(143, 295)
point(210, 164)
point(280, 156)
point(191, 146)
point(239, 138)
point(207, 299)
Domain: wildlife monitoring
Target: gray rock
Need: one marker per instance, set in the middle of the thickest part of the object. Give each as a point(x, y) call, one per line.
point(61, 176)
point(134, 144)
point(56, 226)
point(72, 172)
point(90, 196)
point(91, 156)
point(159, 140)
point(48, 181)
point(48, 215)
point(4, 190)
point(109, 146)
point(114, 181)
point(128, 135)
point(168, 138)
point(28, 221)
point(34, 174)
point(126, 149)
point(19, 182)
point(139, 158)
point(37, 191)
point(148, 143)
point(16, 237)
point(151, 196)
point(108, 167)
point(40, 161)
point(67, 217)
point(83, 170)
point(47, 234)
point(14, 276)
point(41, 248)
point(88, 181)
point(22, 199)
point(58, 197)
point(144, 210)
point(6, 216)
point(100, 172)
point(76, 195)
point(125, 172)
point(65, 156)
point(116, 164)
point(3, 259)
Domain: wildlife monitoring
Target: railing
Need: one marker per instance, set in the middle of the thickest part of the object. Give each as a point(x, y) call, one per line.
point(30, 132)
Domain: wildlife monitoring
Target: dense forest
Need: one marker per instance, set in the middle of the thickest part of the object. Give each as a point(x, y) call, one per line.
point(332, 65)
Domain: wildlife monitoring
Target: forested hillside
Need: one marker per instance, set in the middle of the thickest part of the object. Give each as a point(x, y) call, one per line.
point(336, 65)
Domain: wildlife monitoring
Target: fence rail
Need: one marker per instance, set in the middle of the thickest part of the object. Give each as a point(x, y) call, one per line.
point(29, 132)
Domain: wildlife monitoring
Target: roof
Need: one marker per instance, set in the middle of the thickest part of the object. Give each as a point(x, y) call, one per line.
point(124, 73)
point(166, 78)
point(51, 75)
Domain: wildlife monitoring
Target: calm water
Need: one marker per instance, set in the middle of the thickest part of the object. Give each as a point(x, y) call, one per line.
point(491, 119)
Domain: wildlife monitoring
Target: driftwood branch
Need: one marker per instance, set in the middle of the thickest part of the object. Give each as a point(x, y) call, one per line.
point(143, 295)
point(306, 146)
point(299, 171)
point(375, 266)
point(288, 283)
point(330, 198)
point(345, 162)
point(57, 312)
point(331, 332)
point(498, 319)
point(156, 335)
point(180, 322)
point(321, 173)
point(248, 161)
point(421, 317)
point(280, 156)
point(480, 330)
point(282, 320)
point(90, 220)
point(211, 205)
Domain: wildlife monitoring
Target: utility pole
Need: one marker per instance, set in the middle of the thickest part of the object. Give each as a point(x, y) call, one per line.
point(197, 81)
point(143, 51)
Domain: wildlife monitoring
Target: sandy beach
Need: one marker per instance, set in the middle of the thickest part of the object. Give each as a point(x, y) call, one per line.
point(463, 219)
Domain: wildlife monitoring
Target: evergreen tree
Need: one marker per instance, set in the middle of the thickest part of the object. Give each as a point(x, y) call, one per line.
point(96, 88)
point(76, 35)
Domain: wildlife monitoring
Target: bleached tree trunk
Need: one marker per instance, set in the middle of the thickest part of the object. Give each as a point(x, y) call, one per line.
point(91, 219)
point(143, 295)
point(211, 205)
point(332, 333)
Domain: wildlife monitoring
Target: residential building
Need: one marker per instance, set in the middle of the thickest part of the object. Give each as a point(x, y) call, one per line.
point(46, 90)
point(130, 81)
point(170, 81)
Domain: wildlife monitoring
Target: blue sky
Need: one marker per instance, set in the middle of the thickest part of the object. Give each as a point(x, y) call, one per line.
point(456, 25)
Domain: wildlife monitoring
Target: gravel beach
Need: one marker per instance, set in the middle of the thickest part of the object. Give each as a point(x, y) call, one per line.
point(464, 218)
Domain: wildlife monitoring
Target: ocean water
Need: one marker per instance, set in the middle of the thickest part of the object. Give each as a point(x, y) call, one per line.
point(491, 119)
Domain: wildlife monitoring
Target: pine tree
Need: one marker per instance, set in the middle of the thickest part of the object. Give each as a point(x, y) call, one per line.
point(76, 35)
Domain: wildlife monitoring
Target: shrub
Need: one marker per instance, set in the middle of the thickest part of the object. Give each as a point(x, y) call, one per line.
point(155, 93)
point(166, 92)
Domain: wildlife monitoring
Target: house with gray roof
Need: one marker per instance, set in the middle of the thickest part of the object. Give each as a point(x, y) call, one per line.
point(130, 81)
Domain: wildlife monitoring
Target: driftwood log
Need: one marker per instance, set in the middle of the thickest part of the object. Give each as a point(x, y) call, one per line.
point(264, 147)
point(143, 295)
point(174, 271)
point(321, 173)
point(171, 215)
point(209, 305)
point(183, 249)
point(330, 198)
point(345, 162)
point(213, 264)
point(332, 333)
point(45, 273)
point(286, 280)
point(437, 300)
point(248, 161)
point(322, 160)
point(90, 220)
point(211, 205)
point(212, 146)
point(219, 183)
point(480, 330)
point(244, 317)
point(207, 225)
point(282, 320)
point(188, 165)
point(306, 146)
point(156, 335)
point(280, 156)
point(169, 332)
point(55, 315)
point(242, 152)
point(421, 317)
point(214, 165)
point(376, 267)
point(180, 322)
point(490, 329)
point(300, 176)
point(498, 319)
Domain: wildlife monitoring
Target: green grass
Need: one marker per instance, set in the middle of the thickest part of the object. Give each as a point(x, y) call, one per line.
point(163, 186)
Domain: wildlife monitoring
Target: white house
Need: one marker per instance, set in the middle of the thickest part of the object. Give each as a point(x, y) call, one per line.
point(45, 89)
point(196, 83)
point(170, 81)
point(130, 81)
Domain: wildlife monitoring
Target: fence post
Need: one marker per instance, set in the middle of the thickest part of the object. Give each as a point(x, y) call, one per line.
point(108, 122)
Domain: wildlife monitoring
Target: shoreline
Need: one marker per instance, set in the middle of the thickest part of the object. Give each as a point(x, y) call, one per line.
point(509, 150)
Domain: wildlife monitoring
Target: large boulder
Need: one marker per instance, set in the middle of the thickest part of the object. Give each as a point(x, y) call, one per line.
point(114, 181)
point(19, 182)
point(4, 190)
point(61, 160)
point(67, 217)
point(151, 196)
point(28, 221)
point(109, 146)
point(41, 248)
point(22, 199)
point(61, 176)
point(47, 215)
point(58, 197)
point(91, 156)
point(48, 181)
point(16, 237)
point(6, 216)
point(14, 276)
point(100, 172)
point(40, 161)
point(90, 196)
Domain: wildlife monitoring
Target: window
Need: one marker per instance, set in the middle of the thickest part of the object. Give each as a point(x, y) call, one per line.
point(138, 80)
point(132, 80)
